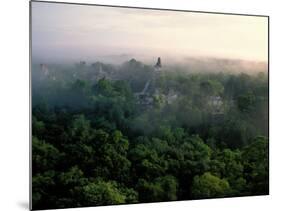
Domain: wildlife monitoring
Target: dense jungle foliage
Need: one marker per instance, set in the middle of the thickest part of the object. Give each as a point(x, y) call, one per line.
point(97, 141)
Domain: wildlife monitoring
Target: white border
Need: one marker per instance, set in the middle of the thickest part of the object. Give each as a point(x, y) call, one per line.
point(14, 95)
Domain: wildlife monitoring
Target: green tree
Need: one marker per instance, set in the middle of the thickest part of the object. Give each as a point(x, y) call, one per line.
point(256, 169)
point(70, 183)
point(44, 156)
point(245, 102)
point(146, 163)
point(104, 87)
point(111, 155)
point(42, 184)
point(103, 193)
point(80, 129)
point(228, 164)
point(161, 189)
point(209, 186)
point(196, 160)
point(211, 87)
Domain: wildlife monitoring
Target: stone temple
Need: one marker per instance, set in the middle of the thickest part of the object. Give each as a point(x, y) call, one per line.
point(158, 64)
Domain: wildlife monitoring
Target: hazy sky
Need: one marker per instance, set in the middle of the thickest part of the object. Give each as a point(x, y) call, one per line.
point(64, 31)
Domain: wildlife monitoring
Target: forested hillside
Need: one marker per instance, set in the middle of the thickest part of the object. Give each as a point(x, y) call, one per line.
point(105, 134)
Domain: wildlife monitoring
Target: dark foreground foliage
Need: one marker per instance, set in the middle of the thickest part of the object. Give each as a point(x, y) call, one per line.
point(95, 143)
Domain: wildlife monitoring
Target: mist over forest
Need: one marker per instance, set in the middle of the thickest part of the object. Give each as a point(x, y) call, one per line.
point(135, 105)
point(148, 131)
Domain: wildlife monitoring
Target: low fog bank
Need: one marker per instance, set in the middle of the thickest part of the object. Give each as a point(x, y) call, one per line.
point(216, 65)
point(180, 64)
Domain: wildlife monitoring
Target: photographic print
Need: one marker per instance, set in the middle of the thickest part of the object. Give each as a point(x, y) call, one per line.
point(139, 105)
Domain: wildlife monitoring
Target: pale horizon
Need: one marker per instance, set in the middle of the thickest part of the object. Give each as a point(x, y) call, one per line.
point(79, 32)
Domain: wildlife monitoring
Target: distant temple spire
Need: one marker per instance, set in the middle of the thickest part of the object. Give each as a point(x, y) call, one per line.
point(158, 64)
